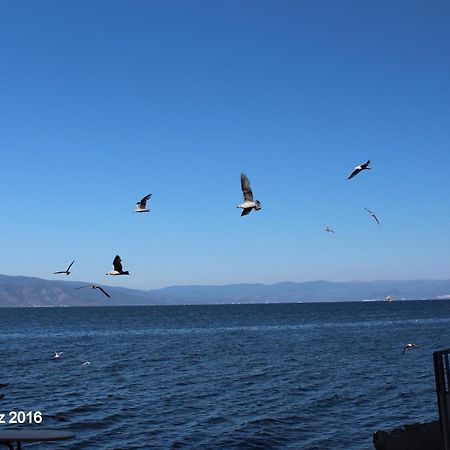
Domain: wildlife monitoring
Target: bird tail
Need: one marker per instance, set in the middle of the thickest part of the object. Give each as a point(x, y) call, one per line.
point(126, 273)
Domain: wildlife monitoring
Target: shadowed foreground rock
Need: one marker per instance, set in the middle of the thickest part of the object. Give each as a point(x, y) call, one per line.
point(417, 436)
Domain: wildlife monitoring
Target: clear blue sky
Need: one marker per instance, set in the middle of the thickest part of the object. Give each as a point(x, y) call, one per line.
point(102, 102)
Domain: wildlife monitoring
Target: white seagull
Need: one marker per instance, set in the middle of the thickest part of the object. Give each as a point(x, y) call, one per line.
point(57, 354)
point(389, 298)
point(86, 363)
point(67, 271)
point(328, 229)
point(94, 286)
point(141, 205)
point(360, 168)
point(249, 203)
point(373, 215)
point(117, 263)
point(409, 347)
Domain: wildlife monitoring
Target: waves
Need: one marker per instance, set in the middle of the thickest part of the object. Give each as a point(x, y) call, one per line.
point(283, 377)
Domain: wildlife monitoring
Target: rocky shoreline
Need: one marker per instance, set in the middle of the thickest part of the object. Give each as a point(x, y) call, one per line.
point(417, 436)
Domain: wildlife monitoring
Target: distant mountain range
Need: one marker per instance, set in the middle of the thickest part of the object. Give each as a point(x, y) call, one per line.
point(18, 291)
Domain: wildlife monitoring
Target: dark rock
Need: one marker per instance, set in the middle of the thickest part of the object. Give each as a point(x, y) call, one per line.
point(417, 436)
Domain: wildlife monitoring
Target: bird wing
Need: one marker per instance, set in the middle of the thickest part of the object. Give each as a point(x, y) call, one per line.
point(365, 164)
point(70, 265)
point(404, 350)
point(355, 172)
point(81, 287)
point(143, 202)
point(117, 263)
point(98, 287)
point(246, 211)
point(246, 189)
point(372, 214)
point(61, 271)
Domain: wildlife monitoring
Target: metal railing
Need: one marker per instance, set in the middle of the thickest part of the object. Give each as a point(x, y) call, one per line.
point(442, 376)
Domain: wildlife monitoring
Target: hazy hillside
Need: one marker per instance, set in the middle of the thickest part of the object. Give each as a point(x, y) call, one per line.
point(28, 291)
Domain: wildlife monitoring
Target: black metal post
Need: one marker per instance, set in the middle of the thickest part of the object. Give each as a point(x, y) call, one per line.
point(442, 377)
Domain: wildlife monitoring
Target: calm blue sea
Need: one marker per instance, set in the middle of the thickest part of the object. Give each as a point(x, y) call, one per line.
point(287, 376)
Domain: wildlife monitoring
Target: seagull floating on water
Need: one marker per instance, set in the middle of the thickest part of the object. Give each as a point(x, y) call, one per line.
point(117, 263)
point(373, 215)
point(94, 286)
point(328, 229)
point(57, 354)
point(249, 203)
point(359, 168)
point(86, 363)
point(67, 271)
point(409, 347)
point(142, 204)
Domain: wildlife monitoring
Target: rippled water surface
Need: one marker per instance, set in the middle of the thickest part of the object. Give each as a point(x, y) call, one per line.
point(288, 376)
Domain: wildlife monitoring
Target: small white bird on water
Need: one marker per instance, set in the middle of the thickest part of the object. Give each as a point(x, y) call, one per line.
point(409, 347)
point(373, 215)
point(328, 229)
point(94, 286)
point(67, 271)
point(117, 263)
point(86, 363)
point(57, 354)
point(360, 168)
point(141, 205)
point(249, 203)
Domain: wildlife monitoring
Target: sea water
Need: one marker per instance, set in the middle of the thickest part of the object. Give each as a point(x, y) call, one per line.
point(272, 376)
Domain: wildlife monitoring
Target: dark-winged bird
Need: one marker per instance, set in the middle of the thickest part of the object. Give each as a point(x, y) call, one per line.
point(94, 286)
point(249, 203)
point(359, 168)
point(141, 205)
point(409, 347)
point(328, 229)
point(67, 271)
point(117, 263)
point(373, 215)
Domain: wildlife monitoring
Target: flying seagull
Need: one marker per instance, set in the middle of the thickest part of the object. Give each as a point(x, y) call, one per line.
point(409, 347)
point(328, 229)
point(360, 168)
point(373, 215)
point(94, 286)
point(249, 203)
point(389, 298)
point(117, 263)
point(142, 204)
point(57, 354)
point(67, 271)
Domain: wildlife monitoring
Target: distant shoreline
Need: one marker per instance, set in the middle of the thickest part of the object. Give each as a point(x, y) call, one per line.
point(221, 304)
point(19, 291)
